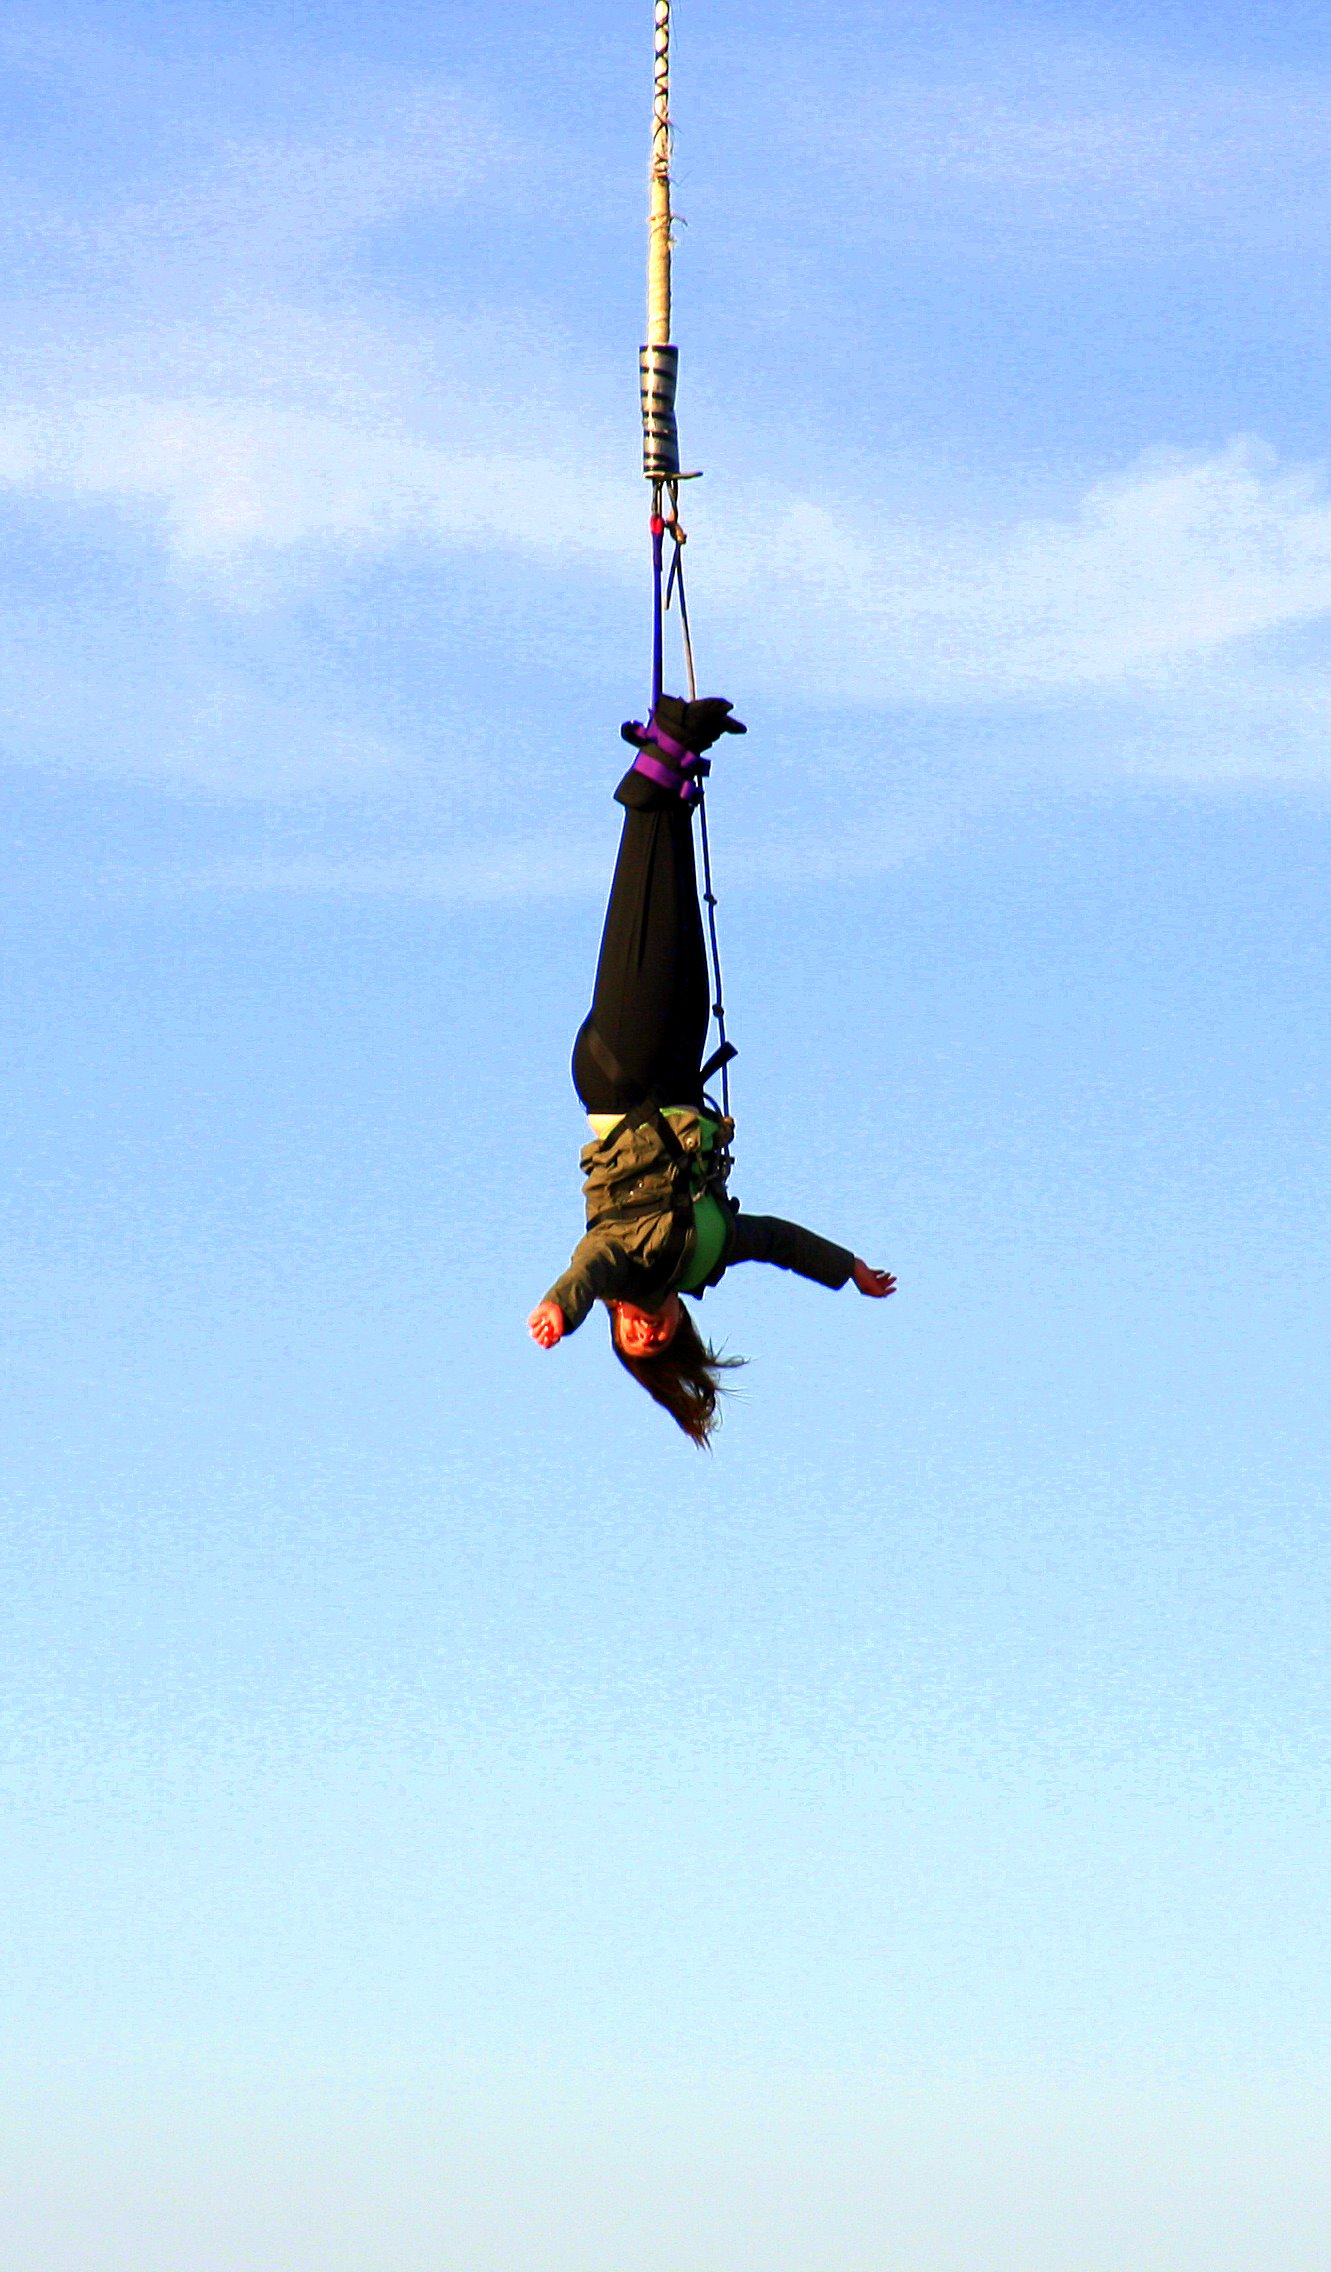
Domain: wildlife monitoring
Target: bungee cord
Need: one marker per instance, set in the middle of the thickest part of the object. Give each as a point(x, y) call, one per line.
point(658, 376)
point(660, 1220)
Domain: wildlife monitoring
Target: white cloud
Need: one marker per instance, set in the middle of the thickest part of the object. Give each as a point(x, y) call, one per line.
point(255, 426)
point(1163, 565)
point(1157, 569)
point(234, 478)
point(1162, 588)
point(479, 873)
point(261, 209)
point(222, 165)
point(1090, 140)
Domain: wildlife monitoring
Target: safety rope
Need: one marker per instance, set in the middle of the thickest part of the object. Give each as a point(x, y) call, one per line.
point(658, 372)
point(675, 584)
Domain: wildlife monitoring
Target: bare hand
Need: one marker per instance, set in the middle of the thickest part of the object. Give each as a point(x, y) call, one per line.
point(876, 1283)
point(546, 1324)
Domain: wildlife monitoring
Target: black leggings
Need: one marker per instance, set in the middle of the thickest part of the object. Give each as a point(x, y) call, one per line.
point(653, 997)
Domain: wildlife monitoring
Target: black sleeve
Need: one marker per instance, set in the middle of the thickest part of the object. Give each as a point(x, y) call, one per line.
point(765, 1238)
point(600, 1271)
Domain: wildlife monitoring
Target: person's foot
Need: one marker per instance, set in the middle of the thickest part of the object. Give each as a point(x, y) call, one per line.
point(670, 746)
point(696, 724)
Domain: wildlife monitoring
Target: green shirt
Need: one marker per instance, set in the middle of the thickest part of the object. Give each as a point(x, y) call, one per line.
point(709, 1221)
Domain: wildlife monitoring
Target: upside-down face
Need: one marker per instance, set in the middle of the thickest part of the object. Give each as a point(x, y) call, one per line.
point(644, 1333)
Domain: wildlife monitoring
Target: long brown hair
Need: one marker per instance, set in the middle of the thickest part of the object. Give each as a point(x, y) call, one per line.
point(683, 1377)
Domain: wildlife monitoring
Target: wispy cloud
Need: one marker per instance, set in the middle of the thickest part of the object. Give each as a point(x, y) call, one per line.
point(232, 478)
point(253, 432)
point(1165, 564)
point(1093, 141)
point(1169, 561)
point(235, 164)
point(523, 869)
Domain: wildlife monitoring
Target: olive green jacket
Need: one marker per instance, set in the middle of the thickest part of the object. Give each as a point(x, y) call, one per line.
point(639, 1188)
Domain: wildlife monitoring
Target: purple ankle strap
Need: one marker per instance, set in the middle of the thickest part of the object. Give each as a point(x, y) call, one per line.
point(675, 750)
point(667, 776)
point(680, 765)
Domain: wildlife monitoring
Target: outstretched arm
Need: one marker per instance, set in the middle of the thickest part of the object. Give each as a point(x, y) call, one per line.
point(600, 1272)
point(768, 1238)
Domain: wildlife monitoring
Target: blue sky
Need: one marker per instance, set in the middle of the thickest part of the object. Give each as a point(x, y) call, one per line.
point(447, 1822)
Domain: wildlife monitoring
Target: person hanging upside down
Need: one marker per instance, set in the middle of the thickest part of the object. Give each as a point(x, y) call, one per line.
point(659, 1220)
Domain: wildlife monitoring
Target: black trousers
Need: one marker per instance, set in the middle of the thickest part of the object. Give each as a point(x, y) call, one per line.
point(653, 996)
